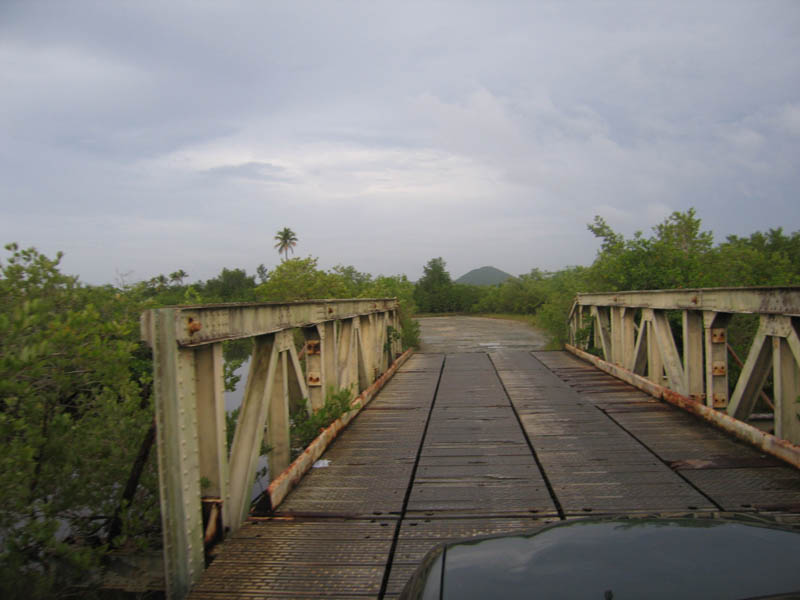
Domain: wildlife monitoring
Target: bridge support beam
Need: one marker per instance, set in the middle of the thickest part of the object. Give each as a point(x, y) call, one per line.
point(693, 354)
point(178, 455)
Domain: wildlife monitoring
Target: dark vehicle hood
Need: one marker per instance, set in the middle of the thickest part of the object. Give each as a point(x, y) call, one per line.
point(619, 559)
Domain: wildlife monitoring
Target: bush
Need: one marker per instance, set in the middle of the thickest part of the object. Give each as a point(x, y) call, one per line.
point(305, 427)
point(69, 368)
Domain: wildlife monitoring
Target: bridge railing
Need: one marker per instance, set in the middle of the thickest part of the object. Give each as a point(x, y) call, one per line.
point(348, 344)
point(635, 335)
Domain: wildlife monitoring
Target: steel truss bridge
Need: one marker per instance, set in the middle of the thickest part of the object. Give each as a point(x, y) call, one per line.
point(634, 419)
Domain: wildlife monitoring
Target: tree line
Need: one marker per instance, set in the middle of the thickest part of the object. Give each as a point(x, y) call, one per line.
point(677, 254)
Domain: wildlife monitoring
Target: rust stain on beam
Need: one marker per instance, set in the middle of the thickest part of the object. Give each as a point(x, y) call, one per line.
point(765, 300)
point(197, 325)
point(779, 448)
point(280, 487)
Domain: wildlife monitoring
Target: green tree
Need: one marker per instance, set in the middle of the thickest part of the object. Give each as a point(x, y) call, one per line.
point(262, 272)
point(434, 292)
point(231, 285)
point(676, 256)
point(287, 240)
point(354, 281)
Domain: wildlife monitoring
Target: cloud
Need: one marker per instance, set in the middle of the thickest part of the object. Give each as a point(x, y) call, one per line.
point(253, 170)
point(386, 134)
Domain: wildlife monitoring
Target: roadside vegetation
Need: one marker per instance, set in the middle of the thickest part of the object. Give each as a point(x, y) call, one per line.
point(677, 254)
point(76, 415)
point(78, 475)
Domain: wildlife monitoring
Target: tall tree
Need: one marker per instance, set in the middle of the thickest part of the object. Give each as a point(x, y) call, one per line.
point(434, 291)
point(287, 240)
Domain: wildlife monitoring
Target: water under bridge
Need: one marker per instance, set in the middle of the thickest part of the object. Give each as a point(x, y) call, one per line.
point(481, 431)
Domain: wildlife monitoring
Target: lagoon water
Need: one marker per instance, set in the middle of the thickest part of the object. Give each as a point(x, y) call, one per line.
point(233, 400)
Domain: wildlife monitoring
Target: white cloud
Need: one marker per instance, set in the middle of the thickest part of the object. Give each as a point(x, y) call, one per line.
point(386, 134)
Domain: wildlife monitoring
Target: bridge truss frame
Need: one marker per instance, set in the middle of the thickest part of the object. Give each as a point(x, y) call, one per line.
point(347, 344)
point(636, 342)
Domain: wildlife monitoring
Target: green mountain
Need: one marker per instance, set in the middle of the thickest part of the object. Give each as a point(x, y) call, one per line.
point(484, 276)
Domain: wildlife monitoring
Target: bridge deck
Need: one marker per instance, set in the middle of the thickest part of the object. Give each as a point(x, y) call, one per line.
point(477, 443)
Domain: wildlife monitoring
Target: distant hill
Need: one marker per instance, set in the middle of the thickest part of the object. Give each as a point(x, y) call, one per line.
point(484, 276)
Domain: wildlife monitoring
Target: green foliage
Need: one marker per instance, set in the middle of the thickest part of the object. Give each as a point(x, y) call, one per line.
point(771, 258)
point(305, 427)
point(434, 292)
point(231, 285)
point(675, 257)
point(300, 279)
point(69, 367)
point(678, 254)
point(409, 331)
point(397, 286)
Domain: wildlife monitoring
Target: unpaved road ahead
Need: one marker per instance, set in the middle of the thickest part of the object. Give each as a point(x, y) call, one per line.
point(477, 334)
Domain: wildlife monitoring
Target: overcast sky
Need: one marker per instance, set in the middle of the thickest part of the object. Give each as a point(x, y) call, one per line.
point(143, 137)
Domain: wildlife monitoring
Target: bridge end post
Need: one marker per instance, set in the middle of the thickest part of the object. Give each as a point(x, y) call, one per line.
point(174, 390)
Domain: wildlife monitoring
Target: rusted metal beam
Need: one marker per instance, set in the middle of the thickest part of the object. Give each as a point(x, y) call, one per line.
point(751, 300)
point(197, 325)
point(766, 442)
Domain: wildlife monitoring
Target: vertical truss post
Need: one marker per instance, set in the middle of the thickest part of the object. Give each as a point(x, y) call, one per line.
point(385, 346)
point(693, 365)
point(329, 347)
point(715, 333)
point(615, 317)
point(315, 374)
point(628, 335)
point(787, 390)
point(177, 448)
point(361, 355)
point(347, 355)
point(368, 356)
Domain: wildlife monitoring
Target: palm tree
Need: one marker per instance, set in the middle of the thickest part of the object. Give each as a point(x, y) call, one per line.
point(178, 276)
point(287, 240)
